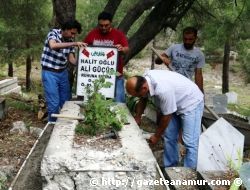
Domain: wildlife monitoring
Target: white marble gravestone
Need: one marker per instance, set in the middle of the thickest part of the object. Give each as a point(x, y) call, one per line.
point(219, 145)
point(220, 103)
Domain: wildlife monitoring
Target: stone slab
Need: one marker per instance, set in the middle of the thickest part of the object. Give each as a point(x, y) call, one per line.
point(14, 90)
point(66, 166)
point(8, 88)
point(220, 146)
point(183, 178)
point(7, 82)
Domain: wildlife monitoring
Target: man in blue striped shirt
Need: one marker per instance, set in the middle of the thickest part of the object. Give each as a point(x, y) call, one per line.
point(57, 52)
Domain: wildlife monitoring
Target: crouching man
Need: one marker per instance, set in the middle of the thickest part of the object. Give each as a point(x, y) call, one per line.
point(181, 105)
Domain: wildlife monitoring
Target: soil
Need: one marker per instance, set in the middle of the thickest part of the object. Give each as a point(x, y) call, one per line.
point(15, 147)
point(97, 142)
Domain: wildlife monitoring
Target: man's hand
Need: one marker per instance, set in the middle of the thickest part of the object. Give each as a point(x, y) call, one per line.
point(154, 139)
point(80, 44)
point(123, 49)
point(166, 60)
point(119, 47)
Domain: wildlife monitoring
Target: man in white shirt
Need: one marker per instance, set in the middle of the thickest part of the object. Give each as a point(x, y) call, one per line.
point(181, 104)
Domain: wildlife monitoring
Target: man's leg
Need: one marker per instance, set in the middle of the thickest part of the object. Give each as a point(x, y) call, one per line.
point(119, 90)
point(64, 87)
point(191, 123)
point(50, 85)
point(171, 150)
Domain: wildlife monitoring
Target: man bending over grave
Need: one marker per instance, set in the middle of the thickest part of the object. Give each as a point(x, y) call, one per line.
point(181, 104)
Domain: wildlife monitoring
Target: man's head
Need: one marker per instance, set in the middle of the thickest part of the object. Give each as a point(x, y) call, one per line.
point(104, 22)
point(189, 37)
point(137, 86)
point(70, 29)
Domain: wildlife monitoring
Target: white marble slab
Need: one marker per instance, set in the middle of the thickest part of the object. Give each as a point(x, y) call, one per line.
point(220, 145)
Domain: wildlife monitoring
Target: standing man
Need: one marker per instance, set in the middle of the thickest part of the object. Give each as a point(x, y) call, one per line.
point(181, 105)
point(185, 58)
point(58, 50)
point(105, 35)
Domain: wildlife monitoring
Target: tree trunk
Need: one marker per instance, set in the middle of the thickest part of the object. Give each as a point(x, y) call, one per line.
point(153, 56)
point(165, 14)
point(63, 10)
point(28, 71)
point(225, 69)
point(10, 69)
point(112, 6)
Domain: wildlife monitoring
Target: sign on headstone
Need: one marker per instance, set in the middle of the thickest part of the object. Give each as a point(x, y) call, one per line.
point(94, 62)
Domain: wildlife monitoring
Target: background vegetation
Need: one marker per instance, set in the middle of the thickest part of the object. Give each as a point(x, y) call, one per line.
point(223, 27)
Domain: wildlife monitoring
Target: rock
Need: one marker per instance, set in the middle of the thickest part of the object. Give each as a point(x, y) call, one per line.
point(6, 172)
point(35, 131)
point(19, 127)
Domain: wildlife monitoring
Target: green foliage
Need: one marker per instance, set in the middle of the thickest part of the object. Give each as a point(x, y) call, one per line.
point(243, 110)
point(100, 114)
point(232, 165)
point(235, 168)
point(221, 21)
point(23, 25)
point(87, 12)
point(244, 57)
point(2, 183)
point(21, 105)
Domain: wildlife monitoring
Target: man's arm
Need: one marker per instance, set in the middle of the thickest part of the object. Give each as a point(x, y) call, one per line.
point(164, 121)
point(199, 78)
point(72, 58)
point(53, 44)
point(139, 109)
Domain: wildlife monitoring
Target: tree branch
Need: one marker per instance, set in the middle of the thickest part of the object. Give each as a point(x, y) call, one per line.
point(134, 13)
point(165, 14)
point(112, 6)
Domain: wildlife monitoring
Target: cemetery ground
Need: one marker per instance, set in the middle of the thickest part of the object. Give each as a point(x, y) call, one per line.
point(15, 147)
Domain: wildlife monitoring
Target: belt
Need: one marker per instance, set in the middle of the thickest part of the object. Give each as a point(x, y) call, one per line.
point(53, 70)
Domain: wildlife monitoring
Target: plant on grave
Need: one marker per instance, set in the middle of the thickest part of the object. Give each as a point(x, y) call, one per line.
point(100, 114)
point(3, 180)
point(235, 170)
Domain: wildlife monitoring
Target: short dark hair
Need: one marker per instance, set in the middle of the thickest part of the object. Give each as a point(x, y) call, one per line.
point(70, 24)
point(190, 30)
point(139, 83)
point(105, 16)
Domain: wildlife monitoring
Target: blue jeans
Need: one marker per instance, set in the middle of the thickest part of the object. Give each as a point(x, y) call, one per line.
point(56, 90)
point(119, 90)
point(190, 123)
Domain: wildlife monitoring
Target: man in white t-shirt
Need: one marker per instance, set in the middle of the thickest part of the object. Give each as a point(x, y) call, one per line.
point(181, 104)
point(185, 58)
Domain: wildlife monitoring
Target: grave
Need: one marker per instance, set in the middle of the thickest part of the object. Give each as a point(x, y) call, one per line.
point(9, 85)
point(220, 150)
point(67, 165)
point(220, 103)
